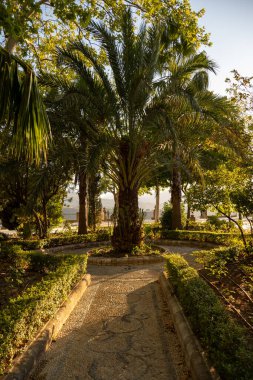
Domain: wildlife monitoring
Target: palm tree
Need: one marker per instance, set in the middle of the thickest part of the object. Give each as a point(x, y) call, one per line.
point(121, 94)
point(193, 114)
point(22, 109)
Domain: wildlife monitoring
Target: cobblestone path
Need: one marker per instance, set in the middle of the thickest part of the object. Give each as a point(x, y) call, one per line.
point(120, 330)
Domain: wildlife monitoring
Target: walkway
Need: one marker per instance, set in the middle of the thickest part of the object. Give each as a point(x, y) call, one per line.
point(121, 330)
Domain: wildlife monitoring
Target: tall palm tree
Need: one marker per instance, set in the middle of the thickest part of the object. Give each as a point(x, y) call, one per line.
point(123, 93)
point(22, 109)
point(193, 114)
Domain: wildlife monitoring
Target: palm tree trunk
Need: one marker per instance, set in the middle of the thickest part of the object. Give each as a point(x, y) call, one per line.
point(10, 45)
point(157, 203)
point(176, 196)
point(45, 220)
point(83, 204)
point(128, 233)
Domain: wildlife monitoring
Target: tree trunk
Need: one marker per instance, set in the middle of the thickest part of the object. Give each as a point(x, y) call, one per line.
point(157, 203)
point(45, 220)
point(188, 217)
point(10, 45)
point(83, 204)
point(176, 196)
point(128, 232)
point(116, 206)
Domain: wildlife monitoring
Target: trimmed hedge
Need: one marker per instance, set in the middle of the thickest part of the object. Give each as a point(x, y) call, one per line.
point(30, 245)
point(26, 314)
point(224, 340)
point(201, 236)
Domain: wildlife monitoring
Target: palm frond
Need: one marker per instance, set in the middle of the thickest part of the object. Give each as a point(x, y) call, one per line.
point(21, 107)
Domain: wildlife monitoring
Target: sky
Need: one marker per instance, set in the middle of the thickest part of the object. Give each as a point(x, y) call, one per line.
point(230, 23)
point(231, 27)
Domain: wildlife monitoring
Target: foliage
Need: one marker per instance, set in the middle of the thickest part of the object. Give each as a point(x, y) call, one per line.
point(25, 315)
point(201, 236)
point(217, 259)
point(100, 235)
point(166, 217)
point(225, 341)
point(22, 109)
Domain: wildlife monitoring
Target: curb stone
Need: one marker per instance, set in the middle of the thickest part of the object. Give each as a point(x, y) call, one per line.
point(193, 352)
point(24, 364)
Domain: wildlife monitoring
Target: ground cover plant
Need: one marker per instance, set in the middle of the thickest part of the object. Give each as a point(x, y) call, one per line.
point(33, 286)
point(228, 344)
point(144, 250)
point(229, 271)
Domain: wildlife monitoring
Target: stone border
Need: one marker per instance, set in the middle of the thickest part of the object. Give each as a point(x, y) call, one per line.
point(24, 364)
point(121, 261)
point(192, 350)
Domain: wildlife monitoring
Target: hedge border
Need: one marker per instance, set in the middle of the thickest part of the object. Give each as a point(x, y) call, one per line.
point(200, 236)
point(24, 364)
point(24, 316)
point(223, 338)
point(193, 352)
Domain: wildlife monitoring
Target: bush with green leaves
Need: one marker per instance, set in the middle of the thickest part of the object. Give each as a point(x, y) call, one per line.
point(201, 236)
point(22, 318)
point(225, 341)
point(217, 259)
point(166, 217)
point(56, 241)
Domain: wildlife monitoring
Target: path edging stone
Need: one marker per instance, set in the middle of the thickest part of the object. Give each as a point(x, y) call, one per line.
point(24, 364)
point(190, 345)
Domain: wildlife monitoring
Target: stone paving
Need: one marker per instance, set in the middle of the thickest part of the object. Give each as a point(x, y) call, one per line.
point(121, 329)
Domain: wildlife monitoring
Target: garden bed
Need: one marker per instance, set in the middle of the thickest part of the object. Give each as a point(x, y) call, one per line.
point(108, 252)
point(228, 344)
point(42, 285)
point(230, 274)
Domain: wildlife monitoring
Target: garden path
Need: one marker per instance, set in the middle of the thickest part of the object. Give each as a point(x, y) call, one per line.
point(121, 329)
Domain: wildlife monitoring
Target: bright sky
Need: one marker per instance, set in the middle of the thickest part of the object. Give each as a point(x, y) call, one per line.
point(231, 26)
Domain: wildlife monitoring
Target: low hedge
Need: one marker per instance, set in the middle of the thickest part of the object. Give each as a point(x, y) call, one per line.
point(58, 241)
point(201, 236)
point(26, 314)
point(224, 340)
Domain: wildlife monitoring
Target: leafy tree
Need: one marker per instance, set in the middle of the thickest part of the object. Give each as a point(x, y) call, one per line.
point(219, 191)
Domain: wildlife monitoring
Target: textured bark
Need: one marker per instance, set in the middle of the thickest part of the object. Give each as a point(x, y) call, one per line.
point(10, 45)
point(176, 197)
point(188, 216)
point(83, 204)
point(128, 232)
point(45, 220)
point(157, 203)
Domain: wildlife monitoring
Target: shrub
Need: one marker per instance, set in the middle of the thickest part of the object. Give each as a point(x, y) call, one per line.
point(201, 236)
point(217, 259)
point(166, 217)
point(29, 245)
point(26, 314)
point(225, 341)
